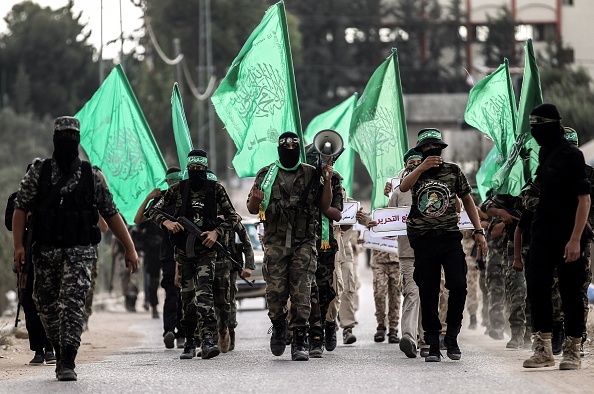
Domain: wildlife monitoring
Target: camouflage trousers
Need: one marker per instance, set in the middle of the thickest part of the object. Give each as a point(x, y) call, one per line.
point(528, 312)
point(515, 291)
point(91, 292)
point(128, 279)
point(233, 300)
point(472, 277)
point(485, 297)
point(322, 292)
point(387, 292)
point(62, 279)
point(289, 272)
point(221, 294)
point(558, 316)
point(495, 277)
point(197, 278)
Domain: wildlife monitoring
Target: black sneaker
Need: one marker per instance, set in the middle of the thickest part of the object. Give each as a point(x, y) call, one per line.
point(453, 350)
point(424, 351)
point(348, 337)
point(330, 336)
point(231, 340)
point(408, 346)
point(316, 346)
point(278, 339)
point(209, 348)
point(49, 357)
point(558, 338)
point(169, 339)
point(434, 355)
point(38, 359)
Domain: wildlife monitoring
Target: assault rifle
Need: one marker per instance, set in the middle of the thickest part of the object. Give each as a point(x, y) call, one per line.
point(195, 233)
point(22, 276)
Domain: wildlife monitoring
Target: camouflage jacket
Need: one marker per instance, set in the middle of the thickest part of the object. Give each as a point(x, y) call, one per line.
point(28, 188)
point(434, 201)
point(246, 246)
point(293, 210)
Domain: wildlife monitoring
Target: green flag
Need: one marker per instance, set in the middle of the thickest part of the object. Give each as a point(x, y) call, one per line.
point(339, 120)
point(485, 174)
point(492, 109)
point(181, 131)
point(515, 173)
point(378, 127)
point(116, 137)
point(257, 100)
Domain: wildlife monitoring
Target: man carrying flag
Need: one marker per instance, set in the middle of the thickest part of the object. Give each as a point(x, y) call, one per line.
point(289, 195)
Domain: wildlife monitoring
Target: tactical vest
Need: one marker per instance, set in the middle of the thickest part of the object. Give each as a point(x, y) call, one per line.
point(68, 219)
point(298, 210)
point(209, 220)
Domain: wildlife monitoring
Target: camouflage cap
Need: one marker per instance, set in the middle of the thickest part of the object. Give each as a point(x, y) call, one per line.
point(67, 123)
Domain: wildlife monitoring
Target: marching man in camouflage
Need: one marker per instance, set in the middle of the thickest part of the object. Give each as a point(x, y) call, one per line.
point(201, 199)
point(289, 195)
point(432, 228)
point(64, 194)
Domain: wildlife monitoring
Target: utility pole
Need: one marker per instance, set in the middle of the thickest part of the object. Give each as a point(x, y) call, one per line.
point(121, 37)
point(212, 145)
point(101, 65)
point(201, 70)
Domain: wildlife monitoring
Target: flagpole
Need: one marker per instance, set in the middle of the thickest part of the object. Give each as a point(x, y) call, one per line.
point(101, 66)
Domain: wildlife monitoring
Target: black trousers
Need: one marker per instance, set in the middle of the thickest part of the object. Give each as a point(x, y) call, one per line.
point(545, 255)
point(432, 251)
point(172, 303)
point(37, 339)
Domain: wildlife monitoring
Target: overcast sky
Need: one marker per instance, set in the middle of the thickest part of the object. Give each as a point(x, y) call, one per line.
point(91, 16)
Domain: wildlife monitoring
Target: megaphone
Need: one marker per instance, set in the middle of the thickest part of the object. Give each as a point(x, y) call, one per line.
point(328, 144)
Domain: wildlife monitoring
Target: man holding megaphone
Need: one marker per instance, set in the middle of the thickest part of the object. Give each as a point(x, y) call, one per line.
point(289, 195)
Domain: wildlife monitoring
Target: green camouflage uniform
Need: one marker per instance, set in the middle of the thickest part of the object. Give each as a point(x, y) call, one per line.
point(62, 274)
point(515, 282)
point(227, 317)
point(197, 273)
point(290, 233)
point(494, 277)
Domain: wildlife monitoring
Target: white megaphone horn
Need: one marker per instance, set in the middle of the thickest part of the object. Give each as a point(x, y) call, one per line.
point(329, 144)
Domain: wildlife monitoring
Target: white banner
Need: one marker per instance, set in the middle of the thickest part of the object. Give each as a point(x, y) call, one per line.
point(385, 244)
point(349, 212)
point(392, 222)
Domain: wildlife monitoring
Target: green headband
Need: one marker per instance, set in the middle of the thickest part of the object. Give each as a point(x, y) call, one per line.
point(174, 176)
point(211, 176)
point(571, 137)
point(429, 134)
point(198, 160)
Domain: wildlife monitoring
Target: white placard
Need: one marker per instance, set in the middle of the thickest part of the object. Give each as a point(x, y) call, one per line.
point(385, 244)
point(395, 183)
point(349, 212)
point(392, 222)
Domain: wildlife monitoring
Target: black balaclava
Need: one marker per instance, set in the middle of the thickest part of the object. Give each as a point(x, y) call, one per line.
point(288, 157)
point(66, 140)
point(197, 177)
point(545, 126)
point(433, 152)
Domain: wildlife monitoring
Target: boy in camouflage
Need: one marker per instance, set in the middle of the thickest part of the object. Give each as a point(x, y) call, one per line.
point(432, 229)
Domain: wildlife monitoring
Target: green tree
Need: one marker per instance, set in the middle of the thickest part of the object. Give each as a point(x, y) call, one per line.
point(29, 139)
point(501, 41)
point(571, 91)
point(49, 47)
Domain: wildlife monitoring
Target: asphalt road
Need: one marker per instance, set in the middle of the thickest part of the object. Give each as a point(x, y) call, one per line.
point(364, 367)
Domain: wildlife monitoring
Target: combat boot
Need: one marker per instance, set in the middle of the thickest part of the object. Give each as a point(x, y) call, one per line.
point(316, 345)
point(231, 340)
point(517, 339)
point(452, 348)
point(571, 354)
point(558, 338)
point(330, 336)
point(209, 348)
point(496, 333)
point(223, 341)
point(278, 339)
point(66, 371)
point(543, 353)
point(299, 347)
point(189, 349)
